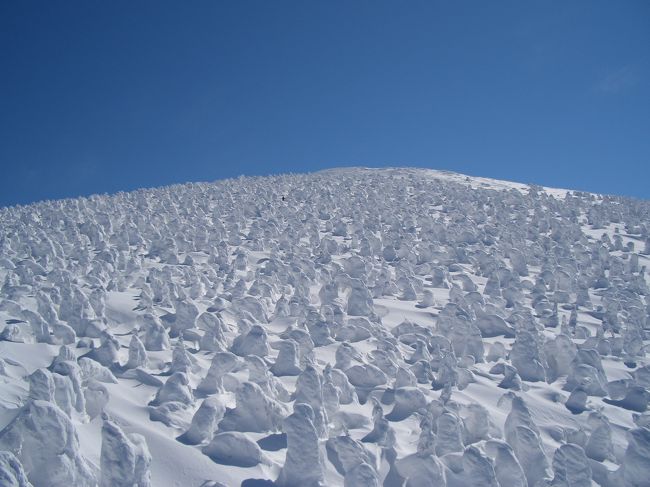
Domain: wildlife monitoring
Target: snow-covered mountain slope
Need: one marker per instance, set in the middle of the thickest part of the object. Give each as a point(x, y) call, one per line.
point(356, 327)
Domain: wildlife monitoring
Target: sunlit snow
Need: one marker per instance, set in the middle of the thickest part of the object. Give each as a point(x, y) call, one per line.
point(352, 327)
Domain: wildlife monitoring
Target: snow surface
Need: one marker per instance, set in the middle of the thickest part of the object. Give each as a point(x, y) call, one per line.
point(353, 327)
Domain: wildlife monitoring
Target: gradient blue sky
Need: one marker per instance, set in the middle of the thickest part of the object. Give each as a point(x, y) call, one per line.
point(114, 95)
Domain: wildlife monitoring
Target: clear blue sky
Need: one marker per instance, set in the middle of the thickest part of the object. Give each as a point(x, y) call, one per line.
point(115, 95)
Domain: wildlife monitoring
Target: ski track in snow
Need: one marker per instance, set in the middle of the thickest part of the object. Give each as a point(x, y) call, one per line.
point(354, 327)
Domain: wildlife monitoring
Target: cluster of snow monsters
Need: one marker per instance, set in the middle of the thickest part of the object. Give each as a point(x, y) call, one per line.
point(351, 327)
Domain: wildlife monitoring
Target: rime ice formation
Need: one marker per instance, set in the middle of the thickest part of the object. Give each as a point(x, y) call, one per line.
point(45, 441)
point(304, 462)
point(288, 359)
point(234, 448)
point(353, 327)
point(362, 475)
point(222, 363)
point(176, 389)
point(571, 467)
point(407, 401)
point(507, 468)
point(125, 459)
point(254, 411)
point(204, 422)
point(12, 473)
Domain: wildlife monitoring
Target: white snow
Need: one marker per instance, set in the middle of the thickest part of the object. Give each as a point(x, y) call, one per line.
point(352, 327)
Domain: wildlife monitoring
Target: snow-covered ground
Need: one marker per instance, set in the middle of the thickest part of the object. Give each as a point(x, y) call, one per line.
point(356, 327)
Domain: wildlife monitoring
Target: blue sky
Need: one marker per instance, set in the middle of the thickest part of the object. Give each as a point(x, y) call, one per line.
point(115, 95)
